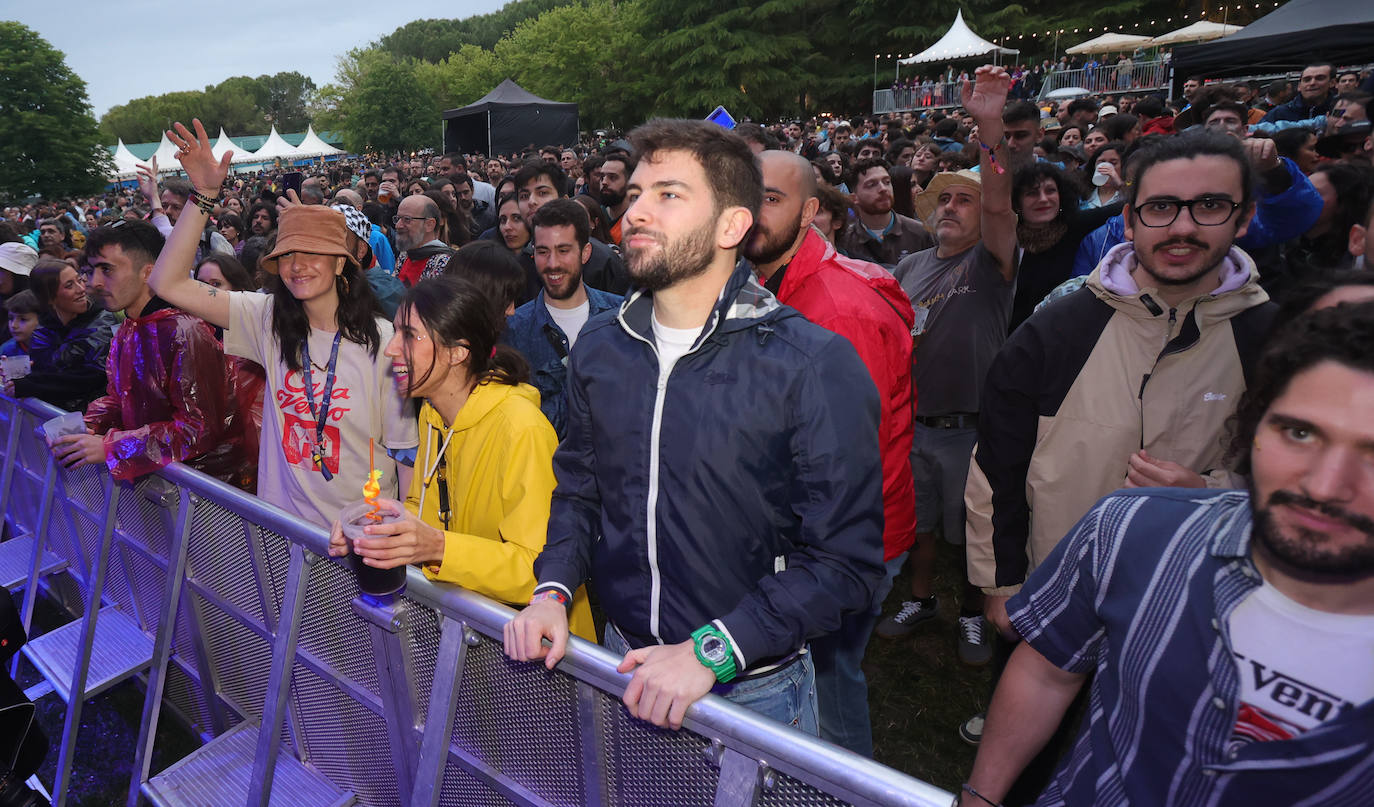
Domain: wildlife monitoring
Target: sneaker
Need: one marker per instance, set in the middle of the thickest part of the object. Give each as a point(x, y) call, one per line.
point(912, 613)
point(975, 640)
point(971, 730)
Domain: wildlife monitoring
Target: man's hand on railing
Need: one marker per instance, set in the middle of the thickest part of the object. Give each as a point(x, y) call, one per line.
point(668, 679)
point(75, 450)
point(525, 634)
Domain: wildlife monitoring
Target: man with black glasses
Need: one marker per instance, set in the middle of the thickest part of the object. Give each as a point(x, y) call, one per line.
point(1129, 381)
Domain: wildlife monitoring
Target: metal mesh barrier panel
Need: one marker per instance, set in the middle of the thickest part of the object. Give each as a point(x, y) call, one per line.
point(360, 684)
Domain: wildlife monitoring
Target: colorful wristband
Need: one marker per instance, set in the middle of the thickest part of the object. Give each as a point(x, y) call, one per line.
point(551, 594)
point(205, 203)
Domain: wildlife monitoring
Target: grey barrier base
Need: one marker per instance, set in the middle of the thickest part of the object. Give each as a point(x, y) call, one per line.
point(219, 774)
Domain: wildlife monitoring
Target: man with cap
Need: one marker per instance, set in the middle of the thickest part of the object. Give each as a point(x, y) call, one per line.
point(962, 291)
point(169, 390)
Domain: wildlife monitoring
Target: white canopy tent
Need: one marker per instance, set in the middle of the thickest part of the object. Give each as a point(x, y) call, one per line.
point(126, 164)
point(224, 143)
point(1200, 31)
point(167, 156)
point(275, 148)
point(314, 146)
point(1110, 43)
point(959, 42)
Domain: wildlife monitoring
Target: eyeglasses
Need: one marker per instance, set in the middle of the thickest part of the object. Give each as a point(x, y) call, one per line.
point(1206, 212)
point(408, 219)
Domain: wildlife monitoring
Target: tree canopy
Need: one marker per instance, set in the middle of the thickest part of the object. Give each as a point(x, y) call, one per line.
point(242, 105)
point(47, 133)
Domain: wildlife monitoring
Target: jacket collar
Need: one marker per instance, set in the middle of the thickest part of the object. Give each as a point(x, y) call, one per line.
point(481, 401)
point(1113, 282)
point(597, 301)
point(743, 303)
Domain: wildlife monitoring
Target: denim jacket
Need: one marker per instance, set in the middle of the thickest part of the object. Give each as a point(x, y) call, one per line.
point(532, 331)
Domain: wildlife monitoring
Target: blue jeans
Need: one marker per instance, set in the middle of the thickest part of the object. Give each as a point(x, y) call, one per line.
point(841, 689)
point(787, 696)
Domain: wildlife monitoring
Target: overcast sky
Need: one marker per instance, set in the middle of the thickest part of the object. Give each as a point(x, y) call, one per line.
point(132, 48)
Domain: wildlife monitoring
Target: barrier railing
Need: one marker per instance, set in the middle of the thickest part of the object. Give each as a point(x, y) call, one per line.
point(307, 693)
point(926, 95)
point(1110, 78)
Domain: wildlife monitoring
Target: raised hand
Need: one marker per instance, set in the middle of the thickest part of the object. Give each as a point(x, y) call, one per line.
point(986, 93)
point(206, 173)
point(147, 182)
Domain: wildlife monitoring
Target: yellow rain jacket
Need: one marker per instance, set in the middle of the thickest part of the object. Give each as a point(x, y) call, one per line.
point(499, 469)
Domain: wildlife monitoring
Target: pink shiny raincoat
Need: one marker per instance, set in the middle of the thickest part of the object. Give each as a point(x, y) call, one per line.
point(171, 397)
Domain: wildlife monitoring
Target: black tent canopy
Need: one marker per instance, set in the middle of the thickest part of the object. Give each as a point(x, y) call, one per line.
point(1294, 35)
point(508, 119)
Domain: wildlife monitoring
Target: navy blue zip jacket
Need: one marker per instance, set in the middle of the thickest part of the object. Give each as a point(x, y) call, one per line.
point(532, 331)
point(682, 503)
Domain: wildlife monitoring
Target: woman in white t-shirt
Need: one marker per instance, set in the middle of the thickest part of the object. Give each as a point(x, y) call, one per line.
point(318, 334)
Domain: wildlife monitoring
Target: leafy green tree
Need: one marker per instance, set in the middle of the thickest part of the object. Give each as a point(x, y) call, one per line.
point(435, 40)
point(48, 136)
point(460, 78)
point(284, 99)
point(387, 109)
point(746, 56)
point(590, 54)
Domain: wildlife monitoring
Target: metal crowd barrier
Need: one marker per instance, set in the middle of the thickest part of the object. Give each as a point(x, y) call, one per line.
point(305, 693)
point(1108, 79)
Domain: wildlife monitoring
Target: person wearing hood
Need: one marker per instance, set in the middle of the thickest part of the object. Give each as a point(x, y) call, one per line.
point(169, 394)
point(1130, 381)
point(477, 512)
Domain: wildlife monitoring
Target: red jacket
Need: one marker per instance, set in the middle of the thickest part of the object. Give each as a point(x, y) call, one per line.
point(170, 397)
point(863, 303)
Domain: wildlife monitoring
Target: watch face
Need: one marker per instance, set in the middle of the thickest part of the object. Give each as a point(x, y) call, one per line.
point(713, 648)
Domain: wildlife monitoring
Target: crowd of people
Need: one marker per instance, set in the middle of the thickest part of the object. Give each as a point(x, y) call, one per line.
point(1116, 355)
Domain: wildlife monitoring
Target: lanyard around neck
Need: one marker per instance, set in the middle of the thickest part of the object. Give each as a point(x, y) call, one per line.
point(321, 414)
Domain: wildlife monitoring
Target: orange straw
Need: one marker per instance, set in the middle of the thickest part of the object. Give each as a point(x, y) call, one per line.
point(371, 488)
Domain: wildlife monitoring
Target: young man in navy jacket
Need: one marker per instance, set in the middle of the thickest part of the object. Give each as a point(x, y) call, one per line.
point(720, 482)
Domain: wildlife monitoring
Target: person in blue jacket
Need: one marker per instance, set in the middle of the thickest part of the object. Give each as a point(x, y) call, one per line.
point(720, 482)
point(1287, 205)
point(546, 328)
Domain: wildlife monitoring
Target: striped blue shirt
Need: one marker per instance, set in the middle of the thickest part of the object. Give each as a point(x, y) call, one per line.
point(1140, 593)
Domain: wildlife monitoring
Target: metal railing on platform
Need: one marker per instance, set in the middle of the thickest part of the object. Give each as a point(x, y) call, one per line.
point(307, 693)
point(1109, 79)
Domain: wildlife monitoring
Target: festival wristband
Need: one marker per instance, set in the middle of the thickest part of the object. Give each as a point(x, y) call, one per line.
point(551, 594)
point(205, 203)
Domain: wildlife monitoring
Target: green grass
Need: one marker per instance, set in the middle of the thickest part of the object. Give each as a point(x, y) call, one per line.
point(918, 691)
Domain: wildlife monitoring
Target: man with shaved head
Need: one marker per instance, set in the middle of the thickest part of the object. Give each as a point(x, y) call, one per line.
point(423, 253)
point(862, 302)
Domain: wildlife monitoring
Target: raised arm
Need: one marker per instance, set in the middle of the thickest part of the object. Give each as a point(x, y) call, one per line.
point(171, 277)
point(984, 97)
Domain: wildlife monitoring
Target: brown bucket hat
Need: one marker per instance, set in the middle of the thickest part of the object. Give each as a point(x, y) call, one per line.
point(316, 230)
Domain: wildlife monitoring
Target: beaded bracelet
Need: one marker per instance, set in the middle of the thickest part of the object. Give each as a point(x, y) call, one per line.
point(205, 203)
point(992, 154)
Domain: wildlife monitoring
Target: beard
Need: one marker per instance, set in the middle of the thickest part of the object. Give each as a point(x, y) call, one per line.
point(574, 282)
point(765, 246)
point(407, 241)
point(1308, 551)
point(611, 198)
point(673, 262)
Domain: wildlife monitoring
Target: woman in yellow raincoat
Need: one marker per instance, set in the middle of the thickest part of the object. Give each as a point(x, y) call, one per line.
point(478, 507)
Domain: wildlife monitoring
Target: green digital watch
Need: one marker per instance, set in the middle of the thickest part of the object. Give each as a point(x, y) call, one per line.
point(714, 651)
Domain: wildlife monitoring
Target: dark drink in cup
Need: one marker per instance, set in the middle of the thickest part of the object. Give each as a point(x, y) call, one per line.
point(371, 580)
